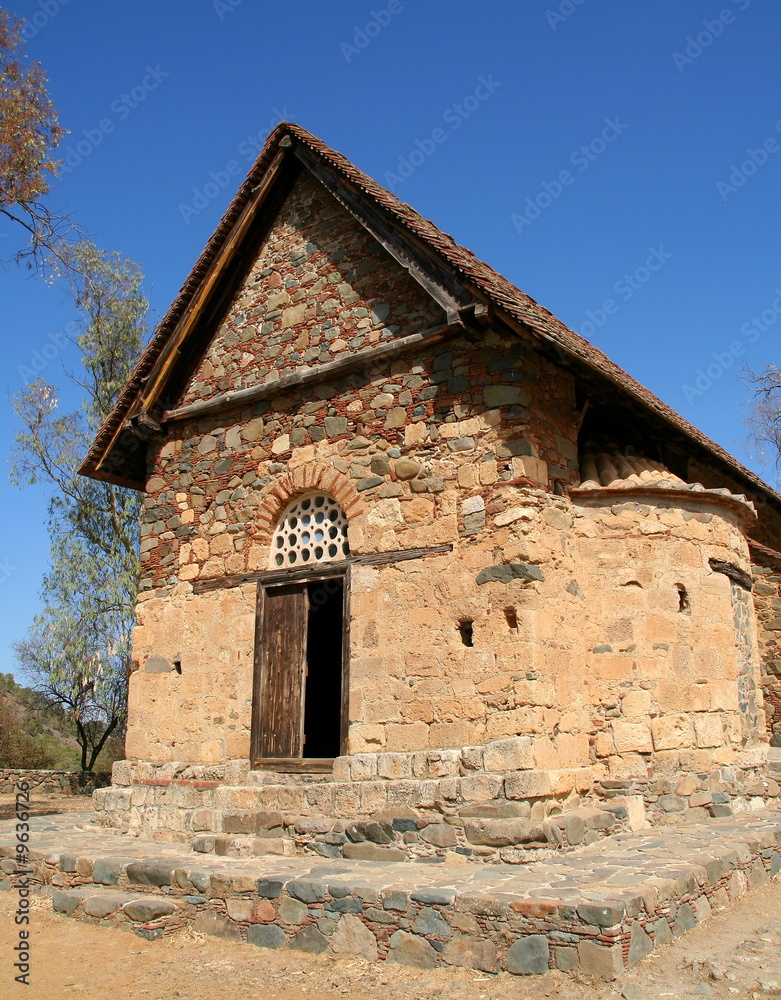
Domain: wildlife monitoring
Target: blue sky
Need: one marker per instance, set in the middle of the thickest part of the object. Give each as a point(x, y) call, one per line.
point(618, 161)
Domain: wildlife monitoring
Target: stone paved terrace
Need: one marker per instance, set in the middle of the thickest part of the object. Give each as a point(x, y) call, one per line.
point(599, 909)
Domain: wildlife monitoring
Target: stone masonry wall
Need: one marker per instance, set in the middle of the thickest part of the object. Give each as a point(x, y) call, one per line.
point(321, 289)
point(767, 601)
point(602, 637)
point(666, 657)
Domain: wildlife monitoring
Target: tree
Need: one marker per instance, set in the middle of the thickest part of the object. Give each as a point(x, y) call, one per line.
point(765, 417)
point(77, 652)
point(29, 132)
point(18, 748)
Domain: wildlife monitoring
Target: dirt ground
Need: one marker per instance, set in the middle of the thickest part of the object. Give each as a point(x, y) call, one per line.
point(735, 955)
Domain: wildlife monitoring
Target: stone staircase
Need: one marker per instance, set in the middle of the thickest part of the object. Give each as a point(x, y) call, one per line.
point(485, 832)
point(597, 909)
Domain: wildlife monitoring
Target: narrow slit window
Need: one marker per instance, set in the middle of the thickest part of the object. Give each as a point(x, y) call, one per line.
point(465, 628)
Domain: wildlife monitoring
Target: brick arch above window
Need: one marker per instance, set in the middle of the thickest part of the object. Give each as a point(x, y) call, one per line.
point(305, 479)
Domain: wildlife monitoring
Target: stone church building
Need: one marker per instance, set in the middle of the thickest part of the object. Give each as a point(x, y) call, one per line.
point(418, 557)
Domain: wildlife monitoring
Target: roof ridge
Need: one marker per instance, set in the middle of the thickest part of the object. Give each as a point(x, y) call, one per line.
point(505, 296)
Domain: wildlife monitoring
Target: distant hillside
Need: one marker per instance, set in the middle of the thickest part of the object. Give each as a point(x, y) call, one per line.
point(34, 734)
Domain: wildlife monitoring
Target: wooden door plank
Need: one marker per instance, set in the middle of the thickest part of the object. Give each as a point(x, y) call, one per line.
point(282, 650)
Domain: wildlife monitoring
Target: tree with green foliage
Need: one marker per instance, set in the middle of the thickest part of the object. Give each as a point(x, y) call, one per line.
point(29, 133)
point(17, 747)
point(77, 652)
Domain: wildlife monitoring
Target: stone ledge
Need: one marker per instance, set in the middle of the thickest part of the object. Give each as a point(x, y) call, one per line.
point(597, 910)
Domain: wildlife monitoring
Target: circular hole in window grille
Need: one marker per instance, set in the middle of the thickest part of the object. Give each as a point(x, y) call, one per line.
point(321, 534)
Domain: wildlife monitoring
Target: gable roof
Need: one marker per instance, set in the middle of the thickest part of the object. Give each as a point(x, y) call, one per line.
point(286, 149)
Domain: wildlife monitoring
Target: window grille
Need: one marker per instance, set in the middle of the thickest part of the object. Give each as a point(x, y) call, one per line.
point(313, 529)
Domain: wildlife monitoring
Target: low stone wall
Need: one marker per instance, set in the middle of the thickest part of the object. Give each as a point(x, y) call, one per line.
point(488, 833)
point(53, 782)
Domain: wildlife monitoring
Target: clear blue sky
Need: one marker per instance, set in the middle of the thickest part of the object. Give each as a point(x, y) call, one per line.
point(184, 87)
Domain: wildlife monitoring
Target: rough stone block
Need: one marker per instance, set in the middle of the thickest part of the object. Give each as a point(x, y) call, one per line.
point(293, 911)
point(409, 949)
point(672, 732)
point(439, 834)
point(104, 904)
point(148, 908)
point(640, 944)
point(603, 961)
point(502, 832)
point(106, 871)
point(353, 938)
point(150, 873)
point(66, 900)
point(306, 891)
point(309, 939)
point(607, 915)
point(372, 852)
point(513, 754)
point(472, 953)
point(216, 924)
point(529, 956)
point(266, 936)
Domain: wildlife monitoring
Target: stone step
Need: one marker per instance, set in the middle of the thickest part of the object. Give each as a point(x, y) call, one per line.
point(596, 910)
point(149, 916)
point(496, 832)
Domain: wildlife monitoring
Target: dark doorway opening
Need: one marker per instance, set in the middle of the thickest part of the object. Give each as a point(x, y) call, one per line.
point(323, 682)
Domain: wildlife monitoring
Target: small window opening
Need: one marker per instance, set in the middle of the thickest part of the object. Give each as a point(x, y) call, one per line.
point(465, 627)
point(512, 619)
point(178, 666)
point(683, 598)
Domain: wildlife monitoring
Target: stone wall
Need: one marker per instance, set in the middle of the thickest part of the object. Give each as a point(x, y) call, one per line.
point(412, 440)
point(53, 782)
point(601, 636)
point(321, 289)
point(596, 913)
point(767, 602)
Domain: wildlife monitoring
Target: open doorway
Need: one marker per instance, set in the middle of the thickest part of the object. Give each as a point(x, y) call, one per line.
point(299, 698)
point(323, 681)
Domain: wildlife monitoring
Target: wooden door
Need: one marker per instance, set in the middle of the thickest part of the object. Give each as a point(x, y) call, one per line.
point(280, 665)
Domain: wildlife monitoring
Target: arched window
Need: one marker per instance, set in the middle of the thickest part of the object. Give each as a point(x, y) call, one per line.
point(312, 529)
